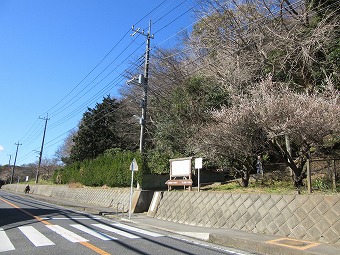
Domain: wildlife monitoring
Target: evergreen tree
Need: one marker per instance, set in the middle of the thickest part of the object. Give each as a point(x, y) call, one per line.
point(97, 131)
point(183, 112)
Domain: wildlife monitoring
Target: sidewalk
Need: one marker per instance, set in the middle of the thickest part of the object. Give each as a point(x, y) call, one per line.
point(251, 242)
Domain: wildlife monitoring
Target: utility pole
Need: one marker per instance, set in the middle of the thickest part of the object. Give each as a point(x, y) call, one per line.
point(41, 149)
point(15, 160)
point(144, 82)
point(9, 161)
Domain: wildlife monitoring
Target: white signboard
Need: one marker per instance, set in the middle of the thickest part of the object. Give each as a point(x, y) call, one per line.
point(198, 166)
point(198, 163)
point(181, 167)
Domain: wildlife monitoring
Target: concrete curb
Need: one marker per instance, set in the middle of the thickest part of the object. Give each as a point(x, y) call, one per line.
point(263, 247)
point(238, 239)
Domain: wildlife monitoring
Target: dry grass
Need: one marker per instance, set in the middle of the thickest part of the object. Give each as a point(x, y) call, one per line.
point(266, 187)
point(75, 185)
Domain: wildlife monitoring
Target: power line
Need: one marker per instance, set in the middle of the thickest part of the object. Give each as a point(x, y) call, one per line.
point(108, 87)
point(146, 15)
point(175, 19)
point(107, 54)
point(171, 10)
point(30, 136)
point(65, 105)
point(296, 4)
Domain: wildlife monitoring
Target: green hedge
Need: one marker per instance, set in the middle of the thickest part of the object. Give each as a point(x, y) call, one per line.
point(111, 169)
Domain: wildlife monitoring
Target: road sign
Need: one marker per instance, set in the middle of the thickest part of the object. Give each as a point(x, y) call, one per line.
point(198, 163)
point(198, 166)
point(133, 165)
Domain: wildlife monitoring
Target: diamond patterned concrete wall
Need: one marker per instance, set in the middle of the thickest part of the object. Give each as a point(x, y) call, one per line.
point(109, 197)
point(314, 218)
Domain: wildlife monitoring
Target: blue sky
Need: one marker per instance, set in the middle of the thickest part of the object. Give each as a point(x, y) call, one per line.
point(48, 54)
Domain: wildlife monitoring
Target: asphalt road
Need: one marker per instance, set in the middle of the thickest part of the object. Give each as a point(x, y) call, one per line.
point(29, 226)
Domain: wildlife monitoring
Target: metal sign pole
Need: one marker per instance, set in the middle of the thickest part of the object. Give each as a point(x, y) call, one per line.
point(199, 180)
point(133, 168)
point(131, 190)
point(198, 166)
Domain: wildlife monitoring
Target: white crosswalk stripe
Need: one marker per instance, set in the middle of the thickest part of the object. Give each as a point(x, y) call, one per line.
point(116, 231)
point(38, 239)
point(35, 236)
point(92, 232)
point(70, 218)
point(6, 244)
point(138, 230)
point(74, 238)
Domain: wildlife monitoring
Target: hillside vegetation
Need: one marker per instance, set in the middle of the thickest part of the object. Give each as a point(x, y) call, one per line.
point(252, 80)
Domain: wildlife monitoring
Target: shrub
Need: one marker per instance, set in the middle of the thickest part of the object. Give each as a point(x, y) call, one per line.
point(111, 169)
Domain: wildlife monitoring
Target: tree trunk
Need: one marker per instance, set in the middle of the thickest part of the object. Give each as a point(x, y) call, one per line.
point(299, 175)
point(245, 178)
point(296, 165)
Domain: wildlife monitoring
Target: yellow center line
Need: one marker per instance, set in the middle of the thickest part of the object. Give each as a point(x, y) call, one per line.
point(28, 213)
point(86, 244)
point(94, 248)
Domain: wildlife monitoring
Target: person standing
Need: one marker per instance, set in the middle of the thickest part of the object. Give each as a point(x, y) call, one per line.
point(259, 168)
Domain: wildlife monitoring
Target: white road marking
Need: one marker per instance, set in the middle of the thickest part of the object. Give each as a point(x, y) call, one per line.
point(71, 218)
point(116, 231)
point(38, 239)
point(35, 236)
point(94, 233)
point(74, 238)
point(6, 244)
point(138, 230)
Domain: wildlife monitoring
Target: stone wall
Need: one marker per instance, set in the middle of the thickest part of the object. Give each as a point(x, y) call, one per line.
point(106, 197)
point(308, 217)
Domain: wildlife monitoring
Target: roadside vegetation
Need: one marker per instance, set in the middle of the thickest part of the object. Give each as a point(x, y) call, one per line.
point(280, 187)
point(253, 79)
point(111, 169)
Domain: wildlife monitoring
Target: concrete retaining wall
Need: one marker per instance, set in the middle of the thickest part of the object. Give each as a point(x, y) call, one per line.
point(308, 217)
point(106, 197)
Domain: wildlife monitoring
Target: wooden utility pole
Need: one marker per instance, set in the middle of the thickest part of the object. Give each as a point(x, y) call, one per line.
point(15, 160)
point(41, 149)
point(9, 161)
point(144, 83)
